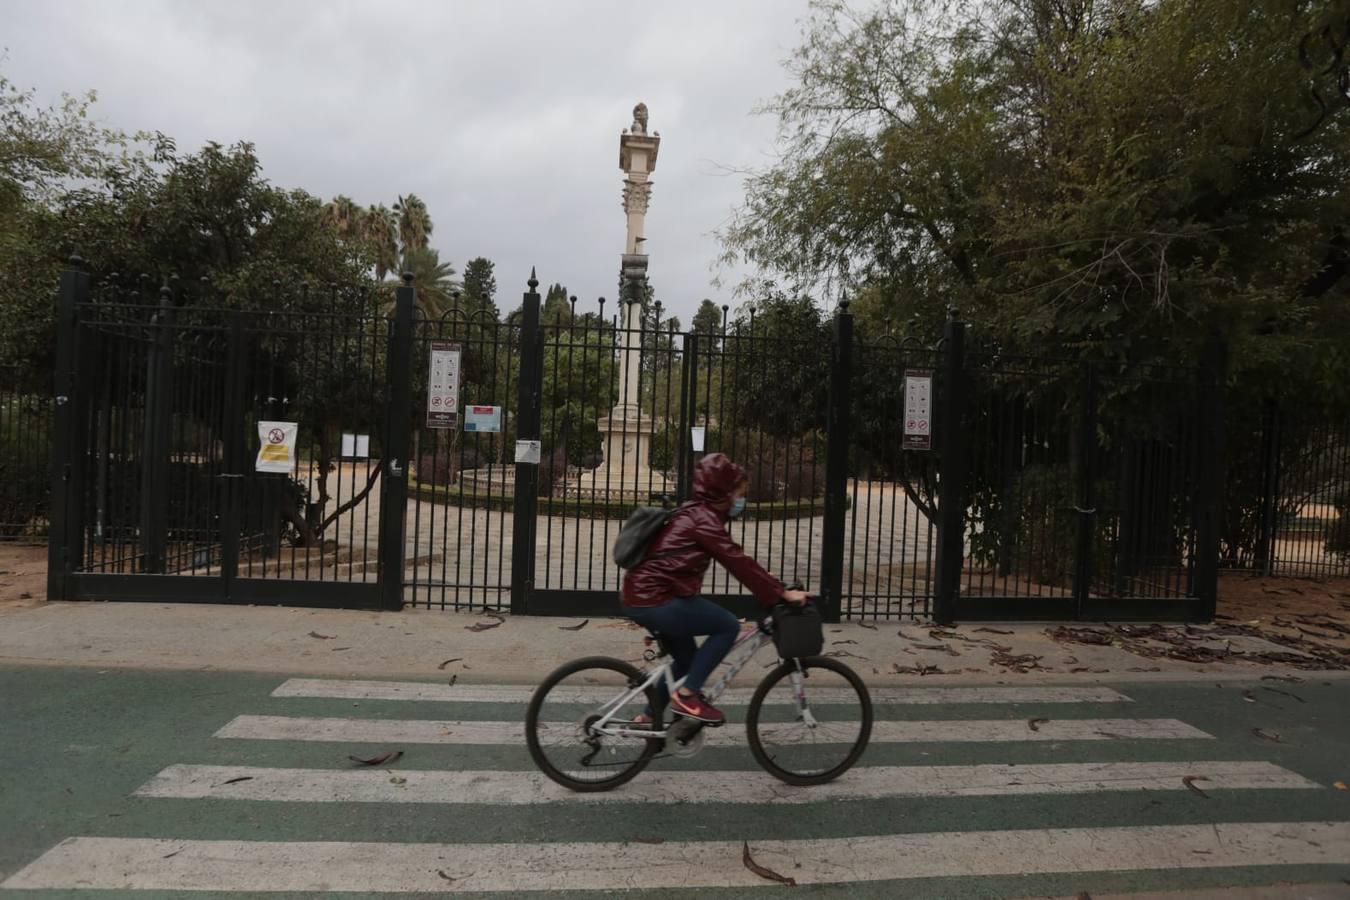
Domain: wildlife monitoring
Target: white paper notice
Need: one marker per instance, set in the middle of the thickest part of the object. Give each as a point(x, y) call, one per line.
point(527, 452)
point(277, 450)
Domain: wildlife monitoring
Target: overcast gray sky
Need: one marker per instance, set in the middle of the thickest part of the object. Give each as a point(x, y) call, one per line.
point(503, 116)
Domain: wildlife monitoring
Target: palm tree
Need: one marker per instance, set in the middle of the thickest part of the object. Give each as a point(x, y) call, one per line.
point(344, 216)
point(432, 280)
point(381, 233)
point(414, 223)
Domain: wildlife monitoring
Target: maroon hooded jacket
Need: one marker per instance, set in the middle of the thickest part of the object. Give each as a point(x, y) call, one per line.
point(679, 556)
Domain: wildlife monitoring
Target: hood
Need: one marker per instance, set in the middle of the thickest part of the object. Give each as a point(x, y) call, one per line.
point(716, 477)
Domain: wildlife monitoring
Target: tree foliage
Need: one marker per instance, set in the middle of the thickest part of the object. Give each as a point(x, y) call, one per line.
point(1113, 177)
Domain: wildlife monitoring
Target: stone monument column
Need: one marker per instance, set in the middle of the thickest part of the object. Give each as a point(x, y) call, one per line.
point(626, 470)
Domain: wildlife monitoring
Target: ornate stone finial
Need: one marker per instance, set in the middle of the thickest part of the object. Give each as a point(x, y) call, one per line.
point(408, 278)
point(534, 280)
point(639, 125)
point(843, 305)
point(75, 261)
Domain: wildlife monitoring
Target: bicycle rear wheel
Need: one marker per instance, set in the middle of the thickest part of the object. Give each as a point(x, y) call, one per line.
point(559, 732)
point(822, 738)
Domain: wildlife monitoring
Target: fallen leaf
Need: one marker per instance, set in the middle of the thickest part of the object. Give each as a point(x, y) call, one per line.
point(397, 780)
point(993, 631)
point(449, 661)
point(451, 878)
point(173, 854)
point(1190, 781)
point(1283, 693)
point(484, 626)
point(836, 654)
point(1292, 679)
point(1035, 724)
point(574, 627)
point(867, 625)
point(902, 634)
point(239, 779)
point(1341, 786)
point(323, 637)
point(453, 679)
point(386, 756)
point(835, 643)
point(762, 872)
point(336, 649)
point(649, 840)
point(1272, 736)
point(1249, 696)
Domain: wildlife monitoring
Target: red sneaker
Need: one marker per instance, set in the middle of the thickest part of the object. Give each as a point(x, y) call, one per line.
point(696, 707)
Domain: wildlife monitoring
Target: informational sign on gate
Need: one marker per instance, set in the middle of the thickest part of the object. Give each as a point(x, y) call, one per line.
point(276, 452)
point(443, 385)
point(483, 419)
point(918, 434)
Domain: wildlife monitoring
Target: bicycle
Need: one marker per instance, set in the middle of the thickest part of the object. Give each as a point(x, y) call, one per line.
point(600, 747)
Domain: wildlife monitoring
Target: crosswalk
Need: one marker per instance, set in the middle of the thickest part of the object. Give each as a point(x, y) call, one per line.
point(482, 770)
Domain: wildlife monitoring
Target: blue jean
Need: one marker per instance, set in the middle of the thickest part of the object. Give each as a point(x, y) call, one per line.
point(678, 622)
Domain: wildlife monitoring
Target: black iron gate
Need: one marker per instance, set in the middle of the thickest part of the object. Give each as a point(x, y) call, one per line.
point(1041, 489)
point(158, 413)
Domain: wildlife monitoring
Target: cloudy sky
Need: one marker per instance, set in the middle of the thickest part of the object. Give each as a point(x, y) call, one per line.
point(503, 115)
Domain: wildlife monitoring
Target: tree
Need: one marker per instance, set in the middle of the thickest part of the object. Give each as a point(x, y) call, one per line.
point(380, 231)
point(1095, 176)
point(345, 218)
point(414, 223)
point(557, 308)
point(480, 286)
point(432, 281)
point(708, 321)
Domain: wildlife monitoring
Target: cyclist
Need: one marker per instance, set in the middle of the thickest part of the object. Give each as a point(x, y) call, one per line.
point(662, 592)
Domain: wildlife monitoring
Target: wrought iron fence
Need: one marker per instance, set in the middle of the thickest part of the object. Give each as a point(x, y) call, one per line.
point(25, 433)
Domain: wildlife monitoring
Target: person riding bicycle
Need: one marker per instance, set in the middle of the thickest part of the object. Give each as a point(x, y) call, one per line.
point(662, 593)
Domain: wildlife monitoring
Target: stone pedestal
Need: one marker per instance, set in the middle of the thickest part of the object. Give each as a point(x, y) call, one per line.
point(626, 473)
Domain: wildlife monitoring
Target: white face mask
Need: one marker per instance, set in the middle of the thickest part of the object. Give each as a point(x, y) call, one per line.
point(737, 507)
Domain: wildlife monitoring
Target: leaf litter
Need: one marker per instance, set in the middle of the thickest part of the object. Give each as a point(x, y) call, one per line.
point(387, 756)
point(762, 871)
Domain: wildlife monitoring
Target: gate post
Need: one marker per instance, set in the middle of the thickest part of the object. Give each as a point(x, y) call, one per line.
point(836, 466)
point(232, 431)
point(952, 474)
point(1086, 502)
point(66, 526)
point(1211, 476)
point(398, 424)
point(526, 504)
point(156, 472)
point(688, 416)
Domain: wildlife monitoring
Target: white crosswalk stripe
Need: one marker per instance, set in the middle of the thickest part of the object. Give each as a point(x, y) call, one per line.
point(256, 867)
point(261, 866)
point(467, 693)
point(425, 731)
point(861, 783)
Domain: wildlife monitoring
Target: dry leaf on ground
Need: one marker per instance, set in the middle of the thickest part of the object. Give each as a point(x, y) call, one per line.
point(761, 871)
point(387, 756)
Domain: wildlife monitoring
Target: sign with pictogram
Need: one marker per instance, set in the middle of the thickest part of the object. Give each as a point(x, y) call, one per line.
point(443, 385)
point(276, 452)
point(918, 433)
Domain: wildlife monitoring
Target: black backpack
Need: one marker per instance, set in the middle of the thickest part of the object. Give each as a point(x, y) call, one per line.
point(646, 522)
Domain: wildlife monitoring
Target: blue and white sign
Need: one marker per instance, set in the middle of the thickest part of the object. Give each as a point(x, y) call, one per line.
point(483, 419)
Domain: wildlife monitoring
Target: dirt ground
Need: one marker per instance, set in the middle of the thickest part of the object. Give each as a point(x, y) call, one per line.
point(1296, 608)
point(23, 575)
point(1292, 608)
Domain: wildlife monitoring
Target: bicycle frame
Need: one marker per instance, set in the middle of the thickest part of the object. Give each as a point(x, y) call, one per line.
point(747, 645)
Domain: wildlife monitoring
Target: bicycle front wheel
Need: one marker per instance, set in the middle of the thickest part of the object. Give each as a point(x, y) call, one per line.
point(560, 725)
point(815, 734)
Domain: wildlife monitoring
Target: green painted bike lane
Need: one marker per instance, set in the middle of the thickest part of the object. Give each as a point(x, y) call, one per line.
point(78, 742)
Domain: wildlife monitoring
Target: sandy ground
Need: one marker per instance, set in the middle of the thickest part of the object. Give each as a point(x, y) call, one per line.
point(23, 575)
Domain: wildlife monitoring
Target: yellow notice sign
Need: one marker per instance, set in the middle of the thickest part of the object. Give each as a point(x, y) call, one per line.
point(277, 450)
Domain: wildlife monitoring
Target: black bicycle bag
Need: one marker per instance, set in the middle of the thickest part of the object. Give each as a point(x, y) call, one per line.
point(798, 630)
